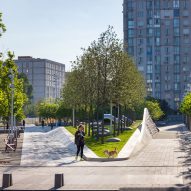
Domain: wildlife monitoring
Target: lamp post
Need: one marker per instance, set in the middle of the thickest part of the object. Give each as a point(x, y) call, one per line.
point(12, 100)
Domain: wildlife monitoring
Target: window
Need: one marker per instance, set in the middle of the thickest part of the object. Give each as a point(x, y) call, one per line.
point(176, 86)
point(150, 13)
point(167, 86)
point(176, 50)
point(186, 39)
point(157, 13)
point(157, 69)
point(149, 41)
point(185, 59)
point(131, 50)
point(167, 32)
point(130, 41)
point(167, 50)
point(166, 41)
point(167, 22)
point(150, 32)
point(185, 4)
point(176, 3)
point(140, 41)
point(186, 31)
point(185, 22)
point(176, 22)
point(157, 59)
point(176, 41)
point(149, 50)
point(177, 77)
point(149, 4)
point(130, 15)
point(131, 24)
point(166, 59)
point(176, 12)
point(157, 41)
point(140, 23)
point(185, 13)
point(157, 4)
point(157, 21)
point(176, 31)
point(139, 32)
point(149, 78)
point(130, 32)
point(176, 58)
point(177, 68)
point(150, 22)
point(130, 4)
point(140, 13)
point(149, 68)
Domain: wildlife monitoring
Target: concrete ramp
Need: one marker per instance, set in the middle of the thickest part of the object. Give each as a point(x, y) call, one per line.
point(46, 147)
point(141, 137)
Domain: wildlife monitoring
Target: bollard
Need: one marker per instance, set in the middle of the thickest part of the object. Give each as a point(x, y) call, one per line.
point(7, 180)
point(59, 180)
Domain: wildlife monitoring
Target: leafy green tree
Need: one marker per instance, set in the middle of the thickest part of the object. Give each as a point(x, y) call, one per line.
point(9, 74)
point(48, 110)
point(154, 109)
point(104, 74)
point(185, 106)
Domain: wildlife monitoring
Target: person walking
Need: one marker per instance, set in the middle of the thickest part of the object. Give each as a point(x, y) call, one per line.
point(79, 141)
point(42, 123)
point(23, 124)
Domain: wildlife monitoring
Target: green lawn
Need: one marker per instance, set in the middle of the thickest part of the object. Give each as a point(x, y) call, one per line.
point(98, 148)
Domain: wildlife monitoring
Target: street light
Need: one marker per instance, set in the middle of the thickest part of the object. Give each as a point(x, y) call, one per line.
point(12, 100)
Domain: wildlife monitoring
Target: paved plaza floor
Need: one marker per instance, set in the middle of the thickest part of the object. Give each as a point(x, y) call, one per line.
point(165, 162)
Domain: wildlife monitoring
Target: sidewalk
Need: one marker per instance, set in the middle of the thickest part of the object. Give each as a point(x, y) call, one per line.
point(163, 163)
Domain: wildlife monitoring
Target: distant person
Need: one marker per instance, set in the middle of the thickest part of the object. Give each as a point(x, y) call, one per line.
point(7, 125)
point(51, 125)
point(79, 141)
point(23, 124)
point(42, 122)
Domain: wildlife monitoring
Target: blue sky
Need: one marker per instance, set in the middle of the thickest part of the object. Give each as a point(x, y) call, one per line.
point(57, 29)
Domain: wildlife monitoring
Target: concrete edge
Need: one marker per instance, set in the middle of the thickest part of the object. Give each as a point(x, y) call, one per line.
point(104, 159)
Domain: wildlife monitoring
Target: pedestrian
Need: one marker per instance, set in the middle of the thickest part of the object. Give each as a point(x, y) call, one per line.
point(51, 125)
point(23, 124)
point(42, 122)
point(79, 141)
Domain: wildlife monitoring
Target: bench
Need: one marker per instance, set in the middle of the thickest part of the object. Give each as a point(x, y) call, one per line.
point(10, 143)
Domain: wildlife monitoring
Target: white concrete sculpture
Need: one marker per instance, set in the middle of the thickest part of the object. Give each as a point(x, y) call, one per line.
point(141, 137)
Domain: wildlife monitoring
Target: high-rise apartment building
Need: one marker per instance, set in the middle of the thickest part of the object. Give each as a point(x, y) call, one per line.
point(157, 34)
point(46, 76)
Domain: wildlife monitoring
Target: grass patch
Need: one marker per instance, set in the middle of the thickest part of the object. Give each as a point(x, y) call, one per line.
point(98, 148)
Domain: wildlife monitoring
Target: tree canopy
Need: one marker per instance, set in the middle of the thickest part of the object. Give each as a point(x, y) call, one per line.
point(185, 106)
point(9, 74)
point(104, 74)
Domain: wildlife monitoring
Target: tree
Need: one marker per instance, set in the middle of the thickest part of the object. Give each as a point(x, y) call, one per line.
point(9, 74)
point(48, 110)
point(185, 106)
point(104, 74)
point(154, 109)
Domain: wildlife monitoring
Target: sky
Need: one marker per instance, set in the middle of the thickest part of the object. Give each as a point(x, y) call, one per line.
point(57, 29)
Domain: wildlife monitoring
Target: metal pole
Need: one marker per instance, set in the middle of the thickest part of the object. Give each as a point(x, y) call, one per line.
point(73, 117)
point(12, 100)
point(111, 128)
point(12, 94)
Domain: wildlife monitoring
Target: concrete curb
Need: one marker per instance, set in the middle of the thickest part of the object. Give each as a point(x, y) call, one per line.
point(104, 159)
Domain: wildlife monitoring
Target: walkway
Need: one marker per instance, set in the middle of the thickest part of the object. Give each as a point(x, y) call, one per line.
point(164, 162)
